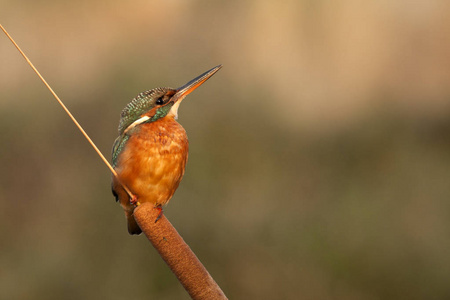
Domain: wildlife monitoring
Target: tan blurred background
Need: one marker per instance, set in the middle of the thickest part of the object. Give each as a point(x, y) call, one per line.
point(319, 164)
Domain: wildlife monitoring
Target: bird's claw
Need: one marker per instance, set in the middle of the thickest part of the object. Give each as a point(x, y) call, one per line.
point(159, 207)
point(134, 200)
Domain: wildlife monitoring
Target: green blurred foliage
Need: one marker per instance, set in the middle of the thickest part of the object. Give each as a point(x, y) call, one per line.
point(319, 155)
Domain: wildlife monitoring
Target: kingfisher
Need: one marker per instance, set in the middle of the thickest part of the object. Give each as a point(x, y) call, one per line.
point(151, 151)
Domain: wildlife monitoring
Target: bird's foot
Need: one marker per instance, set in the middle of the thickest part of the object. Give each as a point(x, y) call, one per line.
point(159, 207)
point(134, 201)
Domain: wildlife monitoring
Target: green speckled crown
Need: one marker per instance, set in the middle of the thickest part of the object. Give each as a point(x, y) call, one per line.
point(138, 106)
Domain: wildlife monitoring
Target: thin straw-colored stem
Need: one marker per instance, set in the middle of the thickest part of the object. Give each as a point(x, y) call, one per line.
point(67, 111)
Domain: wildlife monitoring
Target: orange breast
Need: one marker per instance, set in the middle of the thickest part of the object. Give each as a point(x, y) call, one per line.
point(153, 161)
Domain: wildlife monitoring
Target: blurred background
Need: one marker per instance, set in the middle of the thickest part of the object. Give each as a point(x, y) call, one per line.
point(319, 159)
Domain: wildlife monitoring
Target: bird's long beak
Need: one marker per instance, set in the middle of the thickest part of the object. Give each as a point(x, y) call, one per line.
point(194, 83)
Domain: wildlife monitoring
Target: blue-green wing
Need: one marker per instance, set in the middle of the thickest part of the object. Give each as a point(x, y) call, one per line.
point(118, 146)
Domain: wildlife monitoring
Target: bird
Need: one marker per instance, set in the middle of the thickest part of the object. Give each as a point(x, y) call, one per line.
point(150, 154)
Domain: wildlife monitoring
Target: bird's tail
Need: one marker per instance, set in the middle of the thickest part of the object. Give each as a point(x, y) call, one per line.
point(133, 227)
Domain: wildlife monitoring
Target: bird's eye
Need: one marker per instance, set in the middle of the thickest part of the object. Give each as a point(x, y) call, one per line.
point(159, 101)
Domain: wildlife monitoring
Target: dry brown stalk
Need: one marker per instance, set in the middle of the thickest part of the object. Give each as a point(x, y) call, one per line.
point(176, 253)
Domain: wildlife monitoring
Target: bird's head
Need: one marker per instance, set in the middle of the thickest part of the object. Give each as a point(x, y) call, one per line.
point(158, 103)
